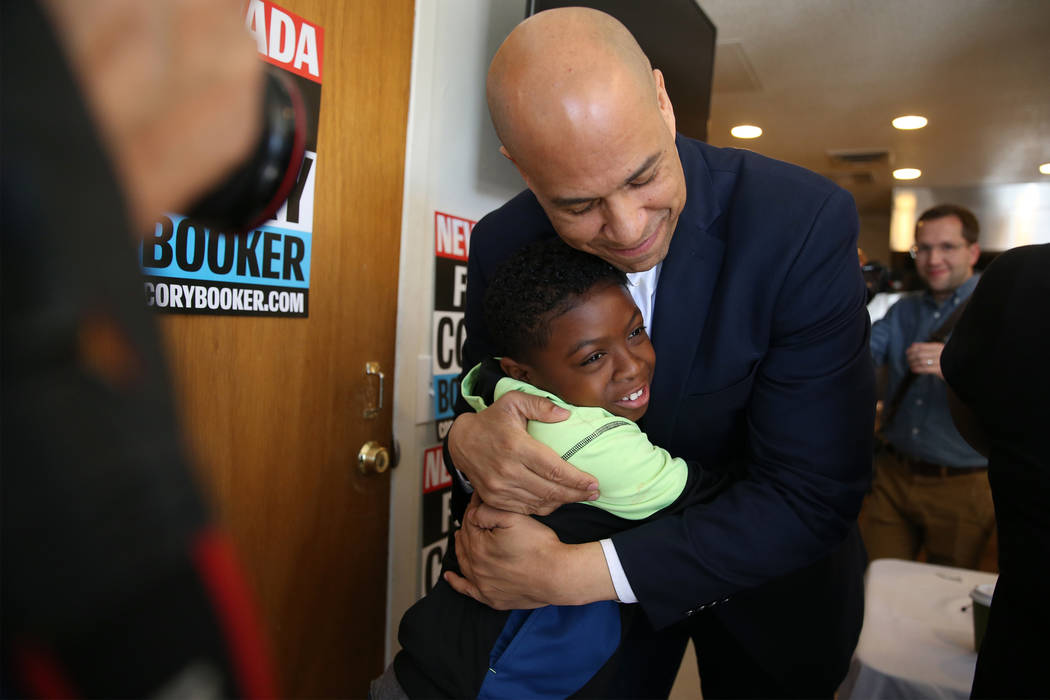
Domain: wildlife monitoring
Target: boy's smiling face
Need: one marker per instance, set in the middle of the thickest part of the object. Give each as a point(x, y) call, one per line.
point(598, 354)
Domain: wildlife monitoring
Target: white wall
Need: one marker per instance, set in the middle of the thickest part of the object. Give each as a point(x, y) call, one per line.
point(452, 165)
point(1009, 215)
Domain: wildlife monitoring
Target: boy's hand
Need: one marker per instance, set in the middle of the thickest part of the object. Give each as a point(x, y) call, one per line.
point(511, 561)
point(509, 468)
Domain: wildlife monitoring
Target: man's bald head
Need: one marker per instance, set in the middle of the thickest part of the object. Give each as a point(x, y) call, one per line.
point(588, 122)
point(563, 72)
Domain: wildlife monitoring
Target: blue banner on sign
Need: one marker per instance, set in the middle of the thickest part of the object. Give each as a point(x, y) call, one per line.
point(268, 255)
point(446, 392)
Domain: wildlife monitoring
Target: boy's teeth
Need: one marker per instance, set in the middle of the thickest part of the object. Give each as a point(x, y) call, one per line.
point(632, 397)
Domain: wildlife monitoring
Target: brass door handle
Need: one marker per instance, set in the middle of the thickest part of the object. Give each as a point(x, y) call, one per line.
point(373, 458)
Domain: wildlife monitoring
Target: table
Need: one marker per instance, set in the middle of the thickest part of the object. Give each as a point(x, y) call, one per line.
point(917, 638)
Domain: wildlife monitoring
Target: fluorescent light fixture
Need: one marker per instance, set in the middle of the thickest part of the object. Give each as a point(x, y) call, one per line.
point(1045, 168)
point(746, 131)
point(902, 220)
point(911, 121)
point(906, 173)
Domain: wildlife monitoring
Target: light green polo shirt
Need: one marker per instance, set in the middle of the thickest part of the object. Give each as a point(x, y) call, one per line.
point(635, 477)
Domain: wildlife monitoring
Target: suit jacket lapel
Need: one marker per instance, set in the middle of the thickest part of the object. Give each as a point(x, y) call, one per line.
point(684, 292)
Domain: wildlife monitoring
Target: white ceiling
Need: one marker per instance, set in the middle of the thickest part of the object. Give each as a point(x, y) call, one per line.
point(829, 75)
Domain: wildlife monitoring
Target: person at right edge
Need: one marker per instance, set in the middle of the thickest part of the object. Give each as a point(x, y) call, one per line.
point(745, 270)
point(931, 488)
point(995, 365)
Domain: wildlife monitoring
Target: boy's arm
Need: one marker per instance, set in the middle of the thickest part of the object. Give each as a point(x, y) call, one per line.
point(511, 469)
point(638, 479)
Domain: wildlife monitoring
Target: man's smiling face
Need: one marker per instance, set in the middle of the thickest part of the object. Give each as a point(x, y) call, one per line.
point(944, 258)
point(613, 187)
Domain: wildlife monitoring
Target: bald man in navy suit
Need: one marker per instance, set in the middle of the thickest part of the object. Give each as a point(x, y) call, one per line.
point(746, 272)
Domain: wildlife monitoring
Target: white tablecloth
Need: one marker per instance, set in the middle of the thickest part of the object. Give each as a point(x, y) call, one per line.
point(917, 639)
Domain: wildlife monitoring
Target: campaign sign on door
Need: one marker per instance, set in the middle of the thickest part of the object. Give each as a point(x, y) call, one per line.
point(193, 269)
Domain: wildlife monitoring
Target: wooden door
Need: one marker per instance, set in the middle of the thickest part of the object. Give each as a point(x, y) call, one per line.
point(272, 407)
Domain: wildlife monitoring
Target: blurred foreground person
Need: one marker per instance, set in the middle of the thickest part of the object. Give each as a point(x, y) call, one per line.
point(931, 488)
point(115, 581)
point(995, 363)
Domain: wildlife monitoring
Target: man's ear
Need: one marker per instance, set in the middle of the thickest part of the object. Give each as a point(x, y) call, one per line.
point(508, 156)
point(514, 369)
point(664, 101)
point(975, 253)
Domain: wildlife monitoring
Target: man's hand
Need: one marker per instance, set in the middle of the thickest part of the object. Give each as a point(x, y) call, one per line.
point(512, 561)
point(511, 470)
point(925, 358)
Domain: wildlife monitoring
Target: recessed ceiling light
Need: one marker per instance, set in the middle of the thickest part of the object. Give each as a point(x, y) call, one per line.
point(746, 131)
point(911, 121)
point(1045, 168)
point(906, 173)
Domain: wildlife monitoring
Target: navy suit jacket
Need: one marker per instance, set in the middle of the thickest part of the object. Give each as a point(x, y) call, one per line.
point(762, 370)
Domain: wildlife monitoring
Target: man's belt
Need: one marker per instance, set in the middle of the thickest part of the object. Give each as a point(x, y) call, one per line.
point(921, 467)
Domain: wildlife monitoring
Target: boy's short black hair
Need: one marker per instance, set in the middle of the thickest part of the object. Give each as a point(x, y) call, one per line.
point(540, 282)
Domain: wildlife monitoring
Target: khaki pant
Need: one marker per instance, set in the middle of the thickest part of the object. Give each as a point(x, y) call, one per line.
point(950, 517)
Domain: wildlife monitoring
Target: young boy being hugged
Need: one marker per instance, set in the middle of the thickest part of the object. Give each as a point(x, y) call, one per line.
point(568, 331)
